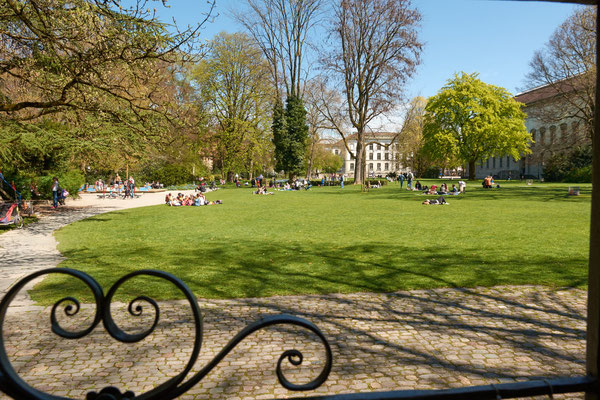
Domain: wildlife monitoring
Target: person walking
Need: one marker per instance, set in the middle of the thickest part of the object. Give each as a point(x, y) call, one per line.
point(55, 192)
point(401, 178)
point(409, 178)
point(342, 180)
point(131, 187)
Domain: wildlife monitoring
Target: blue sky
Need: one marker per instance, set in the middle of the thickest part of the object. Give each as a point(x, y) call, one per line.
point(497, 39)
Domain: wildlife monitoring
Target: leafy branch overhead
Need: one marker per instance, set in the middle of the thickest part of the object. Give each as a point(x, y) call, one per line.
point(91, 55)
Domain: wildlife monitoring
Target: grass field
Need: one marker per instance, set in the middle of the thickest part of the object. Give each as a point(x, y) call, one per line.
point(329, 240)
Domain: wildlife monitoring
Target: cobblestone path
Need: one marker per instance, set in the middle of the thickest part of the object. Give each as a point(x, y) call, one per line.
point(407, 340)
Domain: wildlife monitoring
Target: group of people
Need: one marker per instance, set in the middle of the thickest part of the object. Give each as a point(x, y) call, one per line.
point(125, 187)
point(408, 177)
point(197, 199)
point(442, 189)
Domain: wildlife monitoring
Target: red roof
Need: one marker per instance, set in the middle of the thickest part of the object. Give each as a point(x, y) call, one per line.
point(549, 91)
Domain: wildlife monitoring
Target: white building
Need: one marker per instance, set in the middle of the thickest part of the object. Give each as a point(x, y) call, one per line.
point(382, 155)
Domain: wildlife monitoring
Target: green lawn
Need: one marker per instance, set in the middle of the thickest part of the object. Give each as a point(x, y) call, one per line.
point(329, 240)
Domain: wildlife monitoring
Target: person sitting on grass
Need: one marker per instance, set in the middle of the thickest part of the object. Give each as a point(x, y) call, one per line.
point(454, 189)
point(172, 201)
point(418, 186)
point(487, 182)
point(262, 190)
point(200, 200)
point(431, 190)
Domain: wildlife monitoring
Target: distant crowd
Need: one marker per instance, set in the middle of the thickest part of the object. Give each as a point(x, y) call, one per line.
point(197, 199)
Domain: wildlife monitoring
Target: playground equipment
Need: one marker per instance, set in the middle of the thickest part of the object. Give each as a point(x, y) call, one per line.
point(10, 211)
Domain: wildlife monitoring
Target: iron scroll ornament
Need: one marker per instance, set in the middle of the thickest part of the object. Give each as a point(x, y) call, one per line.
point(12, 384)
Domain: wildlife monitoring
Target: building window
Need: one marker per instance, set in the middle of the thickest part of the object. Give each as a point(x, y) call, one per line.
point(387, 156)
point(337, 152)
point(378, 166)
point(493, 162)
point(500, 159)
point(508, 162)
point(387, 166)
point(370, 156)
point(487, 163)
point(481, 164)
point(542, 131)
point(552, 134)
point(397, 166)
point(371, 166)
point(379, 156)
point(351, 165)
point(371, 147)
point(378, 147)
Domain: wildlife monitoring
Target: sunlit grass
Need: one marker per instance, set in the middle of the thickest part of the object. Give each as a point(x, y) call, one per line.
point(329, 240)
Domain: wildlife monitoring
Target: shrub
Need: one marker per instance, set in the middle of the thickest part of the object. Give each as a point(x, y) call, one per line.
point(168, 175)
point(575, 166)
point(431, 173)
point(579, 175)
point(71, 181)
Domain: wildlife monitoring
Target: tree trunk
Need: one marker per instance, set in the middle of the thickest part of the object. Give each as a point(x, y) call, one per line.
point(471, 170)
point(358, 165)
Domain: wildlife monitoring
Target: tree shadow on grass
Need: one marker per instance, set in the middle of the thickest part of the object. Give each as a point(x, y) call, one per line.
point(258, 268)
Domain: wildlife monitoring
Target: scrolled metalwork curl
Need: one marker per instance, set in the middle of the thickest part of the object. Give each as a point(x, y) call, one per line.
point(282, 319)
point(14, 386)
point(69, 311)
point(11, 383)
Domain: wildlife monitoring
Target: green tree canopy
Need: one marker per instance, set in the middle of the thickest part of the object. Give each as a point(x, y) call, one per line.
point(235, 91)
point(470, 121)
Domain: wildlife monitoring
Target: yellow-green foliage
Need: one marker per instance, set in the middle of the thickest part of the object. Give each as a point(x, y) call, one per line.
point(470, 121)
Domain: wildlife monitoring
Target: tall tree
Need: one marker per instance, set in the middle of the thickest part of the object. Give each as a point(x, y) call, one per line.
point(316, 121)
point(281, 28)
point(469, 121)
point(234, 85)
point(567, 66)
point(375, 51)
point(296, 136)
point(411, 140)
point(279, 133)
